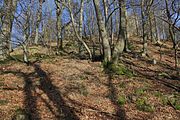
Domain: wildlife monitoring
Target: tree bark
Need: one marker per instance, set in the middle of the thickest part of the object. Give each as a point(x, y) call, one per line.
point(81, 25)
point(77, 35)
point(102, 32)
point(7, 26)
point(120, 45)
point(145, 9)
point(58, 25)
point(39, 16)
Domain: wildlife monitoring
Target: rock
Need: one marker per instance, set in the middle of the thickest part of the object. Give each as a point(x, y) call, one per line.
point(154, 61)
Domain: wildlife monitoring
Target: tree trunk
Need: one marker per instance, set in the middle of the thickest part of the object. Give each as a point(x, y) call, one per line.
point(39, 16)
point(81, 25)
point(157, 39)
point(102, 32)
point(105, 9)
point(144, 33)
point(151, 28)
point(7, 26)
point(136, 23)
point(58, 26)
point(120, 45)
point(77, 35)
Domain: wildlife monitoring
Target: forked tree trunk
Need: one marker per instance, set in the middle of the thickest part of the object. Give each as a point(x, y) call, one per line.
point(120, 45)
point(102, 32)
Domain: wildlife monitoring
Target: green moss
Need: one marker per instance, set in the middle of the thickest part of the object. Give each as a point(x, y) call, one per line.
point(1, 84)
point(158, 94)
point(21, 114)
point(130, 46)
point(142, 105)
point(119, 69)
point(140, 91)
point(82, 89)
point(177, 106)
point(164, 100)
point(121, 100)
point(122, 85)
point(175, 101)
point(164, 75)
point(5, 61)
point(172, 100)
point(3, 102)
point(82, 77)
point(18, 56)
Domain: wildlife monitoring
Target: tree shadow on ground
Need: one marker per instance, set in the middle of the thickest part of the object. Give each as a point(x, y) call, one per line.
point(168, 80)
point(120, 112)
point(64, 112)
point(30, 101)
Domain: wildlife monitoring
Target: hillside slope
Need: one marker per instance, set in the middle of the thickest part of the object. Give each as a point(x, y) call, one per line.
point(61, 87)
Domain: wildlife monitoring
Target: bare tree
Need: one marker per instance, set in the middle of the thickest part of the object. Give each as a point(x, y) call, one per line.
point(69, 7)
point(59, 9)
point(145, 10)
point(39, 16)
point(102, 32)
point(6, 28)
point(172, 23)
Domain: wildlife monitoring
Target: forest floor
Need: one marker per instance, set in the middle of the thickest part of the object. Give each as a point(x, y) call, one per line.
point(66, 88)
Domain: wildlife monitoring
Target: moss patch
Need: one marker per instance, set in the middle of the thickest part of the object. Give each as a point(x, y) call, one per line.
point(121, 100)
point(4, 102)
point(119, 69)
point(142, 105)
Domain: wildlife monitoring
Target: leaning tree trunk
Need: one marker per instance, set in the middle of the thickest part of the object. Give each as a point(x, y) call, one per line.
point(77, 35)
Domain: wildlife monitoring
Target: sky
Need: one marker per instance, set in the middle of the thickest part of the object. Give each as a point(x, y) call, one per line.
point(49, 4)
